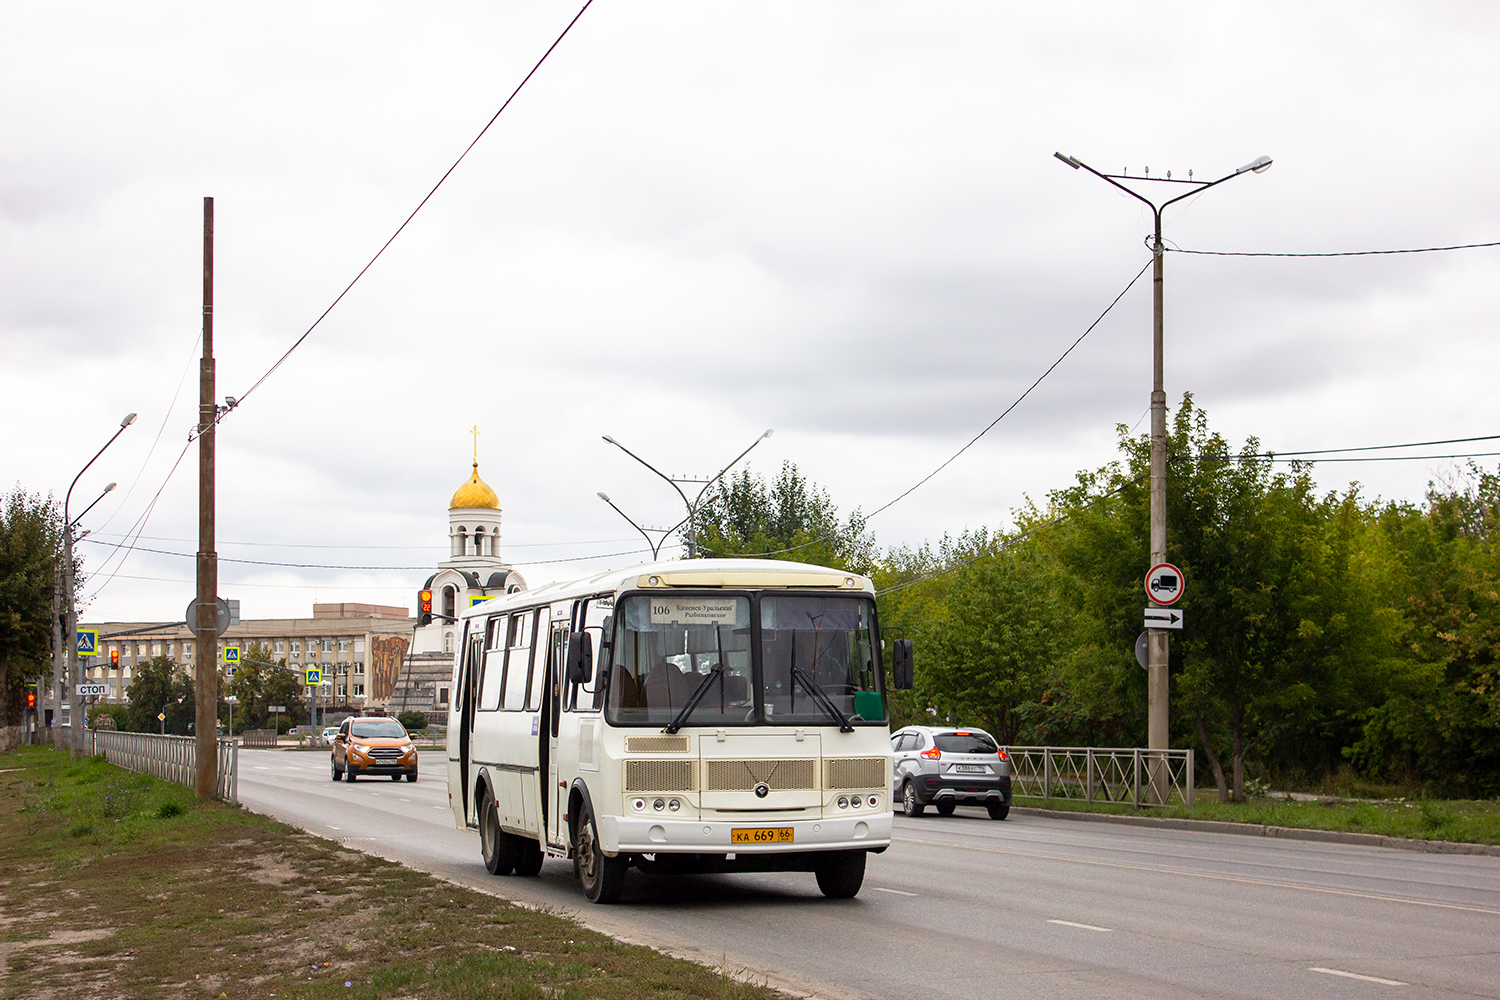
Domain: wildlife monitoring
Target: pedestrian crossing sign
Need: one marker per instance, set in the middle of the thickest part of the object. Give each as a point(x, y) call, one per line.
point(314, 676)
point(231, 654)
point(88, 642)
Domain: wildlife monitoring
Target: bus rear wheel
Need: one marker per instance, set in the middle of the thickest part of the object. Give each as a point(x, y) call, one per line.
point(841, 873)
point(497, 847)
point(602, 877)
point(530, 860)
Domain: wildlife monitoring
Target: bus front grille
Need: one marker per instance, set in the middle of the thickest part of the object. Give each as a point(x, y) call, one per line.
point(743, 775)
point(656, 744)
point(660, 776)
point(842, 773)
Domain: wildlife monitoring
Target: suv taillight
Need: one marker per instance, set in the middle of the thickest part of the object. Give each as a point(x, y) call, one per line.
point(931, 753)
point(1004, 755)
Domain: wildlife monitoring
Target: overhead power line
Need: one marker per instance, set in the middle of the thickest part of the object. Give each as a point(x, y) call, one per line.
point(1332, 253)
point(292, 565)
point(308, 332)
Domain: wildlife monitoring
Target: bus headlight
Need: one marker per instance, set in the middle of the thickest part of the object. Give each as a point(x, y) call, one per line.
point(874, 801)
point(674, 805)
point(843, 802)
point(638, 805)
point(659, 805)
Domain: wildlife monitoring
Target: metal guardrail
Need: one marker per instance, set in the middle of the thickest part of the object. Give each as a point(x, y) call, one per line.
point(1103, 774)
point(171, 758)
point(259, 737)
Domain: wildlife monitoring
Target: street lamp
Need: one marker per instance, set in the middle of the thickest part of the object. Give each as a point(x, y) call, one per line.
point(1157, 688)
point(68, 667)
point(163, 714)
point(230, 700)
point(691, 505)
point(656, 545)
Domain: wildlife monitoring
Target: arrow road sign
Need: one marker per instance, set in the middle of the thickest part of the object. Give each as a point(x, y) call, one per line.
point(1163, 618)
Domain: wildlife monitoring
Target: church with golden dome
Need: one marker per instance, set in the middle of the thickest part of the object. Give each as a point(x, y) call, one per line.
point(474, 570)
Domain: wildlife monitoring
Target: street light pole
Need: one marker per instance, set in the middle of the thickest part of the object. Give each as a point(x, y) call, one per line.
point(1158, 736)
point(67, 671)
point(691, 505)
point(656, 545)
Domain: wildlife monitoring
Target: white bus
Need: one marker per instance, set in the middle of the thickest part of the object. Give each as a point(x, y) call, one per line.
point(720, 715)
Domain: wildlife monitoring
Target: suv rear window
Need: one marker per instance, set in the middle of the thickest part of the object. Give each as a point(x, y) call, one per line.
point(966, 743)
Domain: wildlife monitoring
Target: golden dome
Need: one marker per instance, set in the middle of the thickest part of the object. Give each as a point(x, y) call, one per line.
point(475, 493)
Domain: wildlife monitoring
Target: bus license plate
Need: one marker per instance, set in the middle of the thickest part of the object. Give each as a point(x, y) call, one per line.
point(770, 835)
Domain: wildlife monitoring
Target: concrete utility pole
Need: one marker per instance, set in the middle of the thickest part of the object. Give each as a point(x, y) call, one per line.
point(1158, 734)
point(205, 629)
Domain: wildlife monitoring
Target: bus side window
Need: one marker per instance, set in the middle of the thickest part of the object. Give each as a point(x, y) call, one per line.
point(596, 615)
point(517, 672)
point(538, 663)
point(494, 666)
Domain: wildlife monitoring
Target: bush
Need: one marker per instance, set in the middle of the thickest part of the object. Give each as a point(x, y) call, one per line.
point(413, 721)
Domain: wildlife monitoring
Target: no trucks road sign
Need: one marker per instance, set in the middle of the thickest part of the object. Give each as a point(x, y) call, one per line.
point(1165, 584)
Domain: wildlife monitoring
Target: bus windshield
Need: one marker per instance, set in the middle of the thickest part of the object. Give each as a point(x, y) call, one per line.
point(701, 660)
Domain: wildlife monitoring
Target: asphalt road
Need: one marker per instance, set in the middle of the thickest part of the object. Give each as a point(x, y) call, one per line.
point(965, 907)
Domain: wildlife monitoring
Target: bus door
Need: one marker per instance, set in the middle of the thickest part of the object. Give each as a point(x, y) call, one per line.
point(555, 794)
point(468, 695)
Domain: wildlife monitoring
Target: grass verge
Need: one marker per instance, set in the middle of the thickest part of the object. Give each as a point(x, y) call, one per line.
point(1466, 821)
point(117, 885)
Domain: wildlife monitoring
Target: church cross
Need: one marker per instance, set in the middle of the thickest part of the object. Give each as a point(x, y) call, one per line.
point(475, 432)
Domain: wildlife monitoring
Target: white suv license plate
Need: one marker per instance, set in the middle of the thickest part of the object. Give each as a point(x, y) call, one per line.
point(969, 768)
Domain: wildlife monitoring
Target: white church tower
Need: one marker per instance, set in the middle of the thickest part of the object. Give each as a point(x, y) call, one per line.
point(473, 570)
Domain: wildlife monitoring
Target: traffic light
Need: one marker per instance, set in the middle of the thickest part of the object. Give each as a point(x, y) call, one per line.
point(31, 700)
point(424, 607)
point(114, 658)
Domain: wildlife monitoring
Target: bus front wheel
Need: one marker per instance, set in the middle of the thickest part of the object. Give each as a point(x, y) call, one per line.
point(841, 873)
point(602, 877)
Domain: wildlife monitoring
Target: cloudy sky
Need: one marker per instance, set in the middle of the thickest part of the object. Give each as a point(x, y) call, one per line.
point(842, 221)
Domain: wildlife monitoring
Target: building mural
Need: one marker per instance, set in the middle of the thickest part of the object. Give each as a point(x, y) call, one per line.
point(388, 653)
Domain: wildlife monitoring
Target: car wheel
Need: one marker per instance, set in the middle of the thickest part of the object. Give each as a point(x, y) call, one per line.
point(333, 768)
point(411, 775)
point(530, 861)
point(497, 847)
point(349, 773)
point(841, 873)
point(945, 808)
point(909, 803)
point(998, 810)
point(602, 877)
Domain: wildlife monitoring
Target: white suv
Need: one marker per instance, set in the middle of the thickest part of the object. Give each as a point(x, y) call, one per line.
point(945, 766)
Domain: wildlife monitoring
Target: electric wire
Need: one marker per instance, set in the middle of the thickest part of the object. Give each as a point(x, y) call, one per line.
point(293, 565)
point(298, 342)
point(1333, 253)
point(863, 519)
point(362, 548)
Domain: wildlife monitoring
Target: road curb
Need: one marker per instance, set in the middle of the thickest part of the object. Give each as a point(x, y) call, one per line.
point(1261, 830)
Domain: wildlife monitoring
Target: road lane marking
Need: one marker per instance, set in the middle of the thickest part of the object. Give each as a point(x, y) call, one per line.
point(893, 892)
point(1355, 975)
point(1082, 927)
point(332, 827)
point(1212, 876)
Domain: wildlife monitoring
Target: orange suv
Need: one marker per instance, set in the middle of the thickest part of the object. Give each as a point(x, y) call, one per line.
point(373, 746)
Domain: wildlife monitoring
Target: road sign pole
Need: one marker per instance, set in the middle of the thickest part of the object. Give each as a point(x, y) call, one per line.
point(206, 672)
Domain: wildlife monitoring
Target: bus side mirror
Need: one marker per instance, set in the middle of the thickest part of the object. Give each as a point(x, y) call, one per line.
point(580, 658)
point(901, 666)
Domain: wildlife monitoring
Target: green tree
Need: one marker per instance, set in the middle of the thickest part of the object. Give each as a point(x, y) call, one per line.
point(1282, 618)
point(158, 686)
point(786, 518)
point(30, 546)
point(257, 686)
point(993, 643)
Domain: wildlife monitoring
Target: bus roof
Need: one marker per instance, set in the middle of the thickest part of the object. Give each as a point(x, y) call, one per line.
point(734, 574)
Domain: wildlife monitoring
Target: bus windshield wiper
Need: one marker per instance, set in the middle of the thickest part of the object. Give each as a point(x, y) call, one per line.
point(697, 696)
point(821, 697)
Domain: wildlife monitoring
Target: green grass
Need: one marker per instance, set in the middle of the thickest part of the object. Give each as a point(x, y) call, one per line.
point(1467, 821)
point(112, 882)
